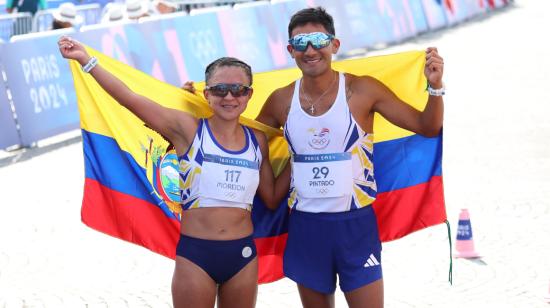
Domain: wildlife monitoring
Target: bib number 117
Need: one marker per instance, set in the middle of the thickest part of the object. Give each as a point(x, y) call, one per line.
point(232, 175)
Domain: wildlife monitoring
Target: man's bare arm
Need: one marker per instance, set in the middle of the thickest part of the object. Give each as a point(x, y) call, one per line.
point(275, 110)
point(427, 123)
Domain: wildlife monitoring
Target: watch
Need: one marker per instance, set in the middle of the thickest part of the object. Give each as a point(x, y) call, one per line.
point(436, 92)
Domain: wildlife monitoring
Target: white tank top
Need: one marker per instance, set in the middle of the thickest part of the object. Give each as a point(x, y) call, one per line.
point(332, 169)
point(211, 176)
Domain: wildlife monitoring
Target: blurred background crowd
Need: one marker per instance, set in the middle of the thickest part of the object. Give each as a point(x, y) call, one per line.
point(27, 16)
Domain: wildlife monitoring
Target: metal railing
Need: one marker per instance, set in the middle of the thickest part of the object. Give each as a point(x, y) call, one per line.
point(91, 14)
point(188, 5)
point(14, 24)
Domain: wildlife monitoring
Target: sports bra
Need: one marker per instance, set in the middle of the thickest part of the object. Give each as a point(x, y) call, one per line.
point(212, 176)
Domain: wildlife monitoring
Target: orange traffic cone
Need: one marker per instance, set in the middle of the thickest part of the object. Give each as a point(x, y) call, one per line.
point(464, 237)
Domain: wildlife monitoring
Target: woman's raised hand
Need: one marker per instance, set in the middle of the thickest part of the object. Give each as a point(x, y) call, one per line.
point(72, 49)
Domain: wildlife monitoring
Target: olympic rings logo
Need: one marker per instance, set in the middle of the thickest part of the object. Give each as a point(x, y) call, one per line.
point(323, 191)
point(319, 143)
point(230, 194)
point(204, 45)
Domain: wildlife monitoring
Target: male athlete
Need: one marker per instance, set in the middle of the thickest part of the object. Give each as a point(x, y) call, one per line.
point(327, 119)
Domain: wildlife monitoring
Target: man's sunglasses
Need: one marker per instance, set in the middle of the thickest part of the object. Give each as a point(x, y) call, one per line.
point(221, 89)
point(317, 40)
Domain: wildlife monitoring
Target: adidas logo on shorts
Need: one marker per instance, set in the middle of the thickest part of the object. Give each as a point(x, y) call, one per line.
point(371, 261)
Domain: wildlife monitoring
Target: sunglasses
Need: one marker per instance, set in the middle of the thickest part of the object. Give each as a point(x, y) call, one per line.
point(317, 40)
point(221, 89)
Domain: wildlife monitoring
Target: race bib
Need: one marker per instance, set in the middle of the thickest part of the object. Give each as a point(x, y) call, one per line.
point(322, 175)
point(229, 179)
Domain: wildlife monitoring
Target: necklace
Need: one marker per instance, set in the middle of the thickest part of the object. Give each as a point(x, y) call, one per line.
point(311, 108)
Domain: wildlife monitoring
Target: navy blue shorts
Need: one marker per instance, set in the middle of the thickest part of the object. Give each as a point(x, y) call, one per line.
point(221, 260)
point(323, 245)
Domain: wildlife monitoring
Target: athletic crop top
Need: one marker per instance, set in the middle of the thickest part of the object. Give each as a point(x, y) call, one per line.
point(211, 176)
point(332, 166)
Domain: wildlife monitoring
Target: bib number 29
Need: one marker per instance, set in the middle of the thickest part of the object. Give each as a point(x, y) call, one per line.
point(318, 172)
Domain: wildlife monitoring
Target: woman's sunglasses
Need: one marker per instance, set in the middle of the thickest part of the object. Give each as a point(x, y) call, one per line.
point(317, 40)
point(221, 89)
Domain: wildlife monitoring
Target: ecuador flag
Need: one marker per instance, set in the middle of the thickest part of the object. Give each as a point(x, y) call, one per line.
point(132, 184)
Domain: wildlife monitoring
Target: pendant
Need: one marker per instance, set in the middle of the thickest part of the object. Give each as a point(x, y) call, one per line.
point(312, 109)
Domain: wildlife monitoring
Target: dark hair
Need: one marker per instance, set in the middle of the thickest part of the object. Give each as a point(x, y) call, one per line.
point(227, 61)
point(316, 15)
point(58, 24)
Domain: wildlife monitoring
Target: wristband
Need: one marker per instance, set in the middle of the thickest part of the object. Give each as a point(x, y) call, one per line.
point(436, 92)
point(90, 65)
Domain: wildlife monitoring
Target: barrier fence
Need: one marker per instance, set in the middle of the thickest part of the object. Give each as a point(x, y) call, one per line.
point(91, 14)
point(8, 131)
point(178, 49)
point(14, 24)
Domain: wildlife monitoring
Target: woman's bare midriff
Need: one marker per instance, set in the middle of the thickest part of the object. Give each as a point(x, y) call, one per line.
point(216, 223)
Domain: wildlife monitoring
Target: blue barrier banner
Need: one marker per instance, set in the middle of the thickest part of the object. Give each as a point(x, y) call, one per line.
point(435, 15)
point(402, 23)
point(379, 29)
point(368, 23)
point(415, 12)
point(456, 11)
point(42, 88)
point(152, 47)
point(350, 37)
point(354, 17)
point(8, 131)
point(178, 49)
point(111, 41)
point(275, 18)
point(474, 7)
point(244, 36)
point(200, 42)
point(497, 3)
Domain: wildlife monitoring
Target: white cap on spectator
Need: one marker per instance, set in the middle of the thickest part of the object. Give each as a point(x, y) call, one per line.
point(114, 13)
point(66, 12)
point(136, 8)
point(170, 3)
